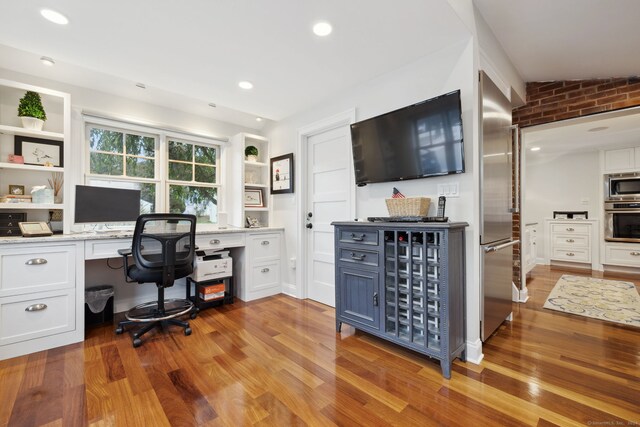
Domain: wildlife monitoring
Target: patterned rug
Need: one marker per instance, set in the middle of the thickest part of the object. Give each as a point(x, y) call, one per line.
point(602, 299)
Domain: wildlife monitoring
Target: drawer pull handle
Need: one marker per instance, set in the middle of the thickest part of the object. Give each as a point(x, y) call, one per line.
point(36, 261)
point(634, 253)
point(9, 232)
point(265, 242)
point(570, 229)
point(570, 254)
point(570, 240)
point(9, 224)
point(357, 257)
point(36, 307)
point(264, 270)
point(215, 242)
point(359, 238)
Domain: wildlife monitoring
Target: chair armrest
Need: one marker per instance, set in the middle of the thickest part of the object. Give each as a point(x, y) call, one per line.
point(125, 252)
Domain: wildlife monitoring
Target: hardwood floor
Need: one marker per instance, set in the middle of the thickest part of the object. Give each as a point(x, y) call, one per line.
point(279, 362)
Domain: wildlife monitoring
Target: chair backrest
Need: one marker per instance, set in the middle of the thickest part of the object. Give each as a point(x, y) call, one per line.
point(166, 243)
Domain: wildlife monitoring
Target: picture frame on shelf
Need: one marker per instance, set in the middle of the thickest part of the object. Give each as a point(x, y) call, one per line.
point(253, 198)
point(253, 222)
point(16, 190)
point(39, 151)
point(282, 176)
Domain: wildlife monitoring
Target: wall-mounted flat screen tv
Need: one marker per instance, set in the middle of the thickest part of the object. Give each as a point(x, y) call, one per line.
point(102, 204)
point(418, 141)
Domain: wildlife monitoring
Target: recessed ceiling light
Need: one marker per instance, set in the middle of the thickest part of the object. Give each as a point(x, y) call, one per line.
point(55, 17)
point(322, 29)
point(212, 105)
point(258, 119)
point(47, 61)
point(535, 148)
point(141, 85)
point(245, 85)
point(599, 128)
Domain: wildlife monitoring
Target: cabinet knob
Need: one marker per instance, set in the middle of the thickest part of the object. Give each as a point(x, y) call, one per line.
point(570, 240)
point(264, 270)
point(375, 299)
point(36, 261)
point(265, 242)
point(36, 307)
point(570, 229)
point(570, 254)
point(215, 242)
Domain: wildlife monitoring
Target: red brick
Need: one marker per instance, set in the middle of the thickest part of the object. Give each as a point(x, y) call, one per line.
point(531, 116)
point(611, 99)
point(551, 99)
point(625, 104)
point(568, 115)
point(567, 88)
point(629, 88)
point(593, 110)
point(582, 92)
point(589, 83)
point(550, 86)
point(554, 111)
point(581, 105)
point(604, 94)
point(574, 100)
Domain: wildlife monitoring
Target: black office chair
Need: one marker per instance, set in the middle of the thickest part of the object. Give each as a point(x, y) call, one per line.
point(163, 250)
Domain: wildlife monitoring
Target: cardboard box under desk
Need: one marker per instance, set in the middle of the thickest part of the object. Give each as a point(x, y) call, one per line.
point(211, 292)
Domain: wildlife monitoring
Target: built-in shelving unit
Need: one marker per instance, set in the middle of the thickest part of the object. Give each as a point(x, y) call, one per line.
point(57, 128)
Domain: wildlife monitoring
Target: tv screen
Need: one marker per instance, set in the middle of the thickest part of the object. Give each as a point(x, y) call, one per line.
point(418, 141)
point(101, 204)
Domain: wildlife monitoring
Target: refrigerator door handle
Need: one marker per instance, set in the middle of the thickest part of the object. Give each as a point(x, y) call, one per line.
point(488, 249)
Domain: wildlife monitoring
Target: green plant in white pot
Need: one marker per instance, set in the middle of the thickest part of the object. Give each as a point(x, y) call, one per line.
point(31, 111)
point(251, 153)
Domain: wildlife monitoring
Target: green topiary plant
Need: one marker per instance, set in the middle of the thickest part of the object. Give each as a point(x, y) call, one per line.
point(250, 151)
point(31, 106)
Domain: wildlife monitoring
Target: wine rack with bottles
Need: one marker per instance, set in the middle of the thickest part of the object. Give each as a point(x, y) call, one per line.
point(405, 284)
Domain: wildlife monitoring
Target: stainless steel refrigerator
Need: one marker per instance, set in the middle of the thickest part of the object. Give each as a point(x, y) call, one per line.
point(496, 206)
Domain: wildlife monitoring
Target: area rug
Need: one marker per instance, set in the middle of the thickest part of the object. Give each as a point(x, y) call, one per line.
point(610, 300)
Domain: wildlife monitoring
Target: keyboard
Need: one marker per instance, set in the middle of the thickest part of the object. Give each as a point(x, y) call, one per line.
point(408, 219)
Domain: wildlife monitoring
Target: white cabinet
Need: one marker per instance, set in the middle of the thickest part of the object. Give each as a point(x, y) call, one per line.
point(530, 246)
point(249, 196)
point(259, 267)
point(41, 306)
point(622, 254)
point(570, 241)
point(52, 141)
point(622, 160)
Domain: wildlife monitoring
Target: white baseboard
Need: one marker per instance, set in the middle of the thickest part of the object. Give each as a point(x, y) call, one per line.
point(519, 295)
point(290, 289)
point(474, 352)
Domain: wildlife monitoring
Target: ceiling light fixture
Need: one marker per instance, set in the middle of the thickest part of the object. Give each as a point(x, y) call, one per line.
point(55, 17)
point(212, 105)
point(47, 61)
point(258, 119)
point(322, 29)
point(599, 128)
point(245, 85)
point(141, 85)
point(535, 148)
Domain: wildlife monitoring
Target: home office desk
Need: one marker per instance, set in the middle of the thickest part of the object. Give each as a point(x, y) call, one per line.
point(42, 280)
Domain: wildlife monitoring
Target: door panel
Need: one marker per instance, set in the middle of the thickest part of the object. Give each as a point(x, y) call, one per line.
point(497, 272)
point(358, 296)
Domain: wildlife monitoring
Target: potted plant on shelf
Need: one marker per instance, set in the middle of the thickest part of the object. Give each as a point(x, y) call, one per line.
point(31, 111)
point(251, 153)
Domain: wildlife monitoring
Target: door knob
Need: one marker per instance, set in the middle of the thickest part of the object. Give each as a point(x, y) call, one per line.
point(309, 225)
point(310, 214)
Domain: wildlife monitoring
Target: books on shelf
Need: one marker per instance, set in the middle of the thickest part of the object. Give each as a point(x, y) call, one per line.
point(14, 198)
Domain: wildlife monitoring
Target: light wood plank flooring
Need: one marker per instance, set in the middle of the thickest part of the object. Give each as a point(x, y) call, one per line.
point(279, 362)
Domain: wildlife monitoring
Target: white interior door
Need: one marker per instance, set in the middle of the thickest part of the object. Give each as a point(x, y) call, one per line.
point(329, 189)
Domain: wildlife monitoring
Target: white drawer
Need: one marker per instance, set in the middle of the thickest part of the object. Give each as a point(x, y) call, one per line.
point(574, 255)
point(571, 228)
point(36, 269)
point(220, 241)
point(264, 247)
point(101, 249)
point(622, 255)
point(266, 276)
point(570, 241)
point(17, 324)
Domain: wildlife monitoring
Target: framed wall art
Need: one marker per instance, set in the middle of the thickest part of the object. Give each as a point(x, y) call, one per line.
point(253, 198)
point(282, 174)
point(38, 151)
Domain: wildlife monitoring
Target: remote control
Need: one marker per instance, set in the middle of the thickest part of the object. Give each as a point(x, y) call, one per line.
point(441, 204)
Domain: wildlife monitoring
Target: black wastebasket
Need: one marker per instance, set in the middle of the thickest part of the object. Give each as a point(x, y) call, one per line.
point(98, 307)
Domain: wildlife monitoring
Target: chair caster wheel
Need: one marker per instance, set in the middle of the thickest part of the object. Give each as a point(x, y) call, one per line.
point(194, 315)
point(137, 342)
point(119, 330)
point(187, 331)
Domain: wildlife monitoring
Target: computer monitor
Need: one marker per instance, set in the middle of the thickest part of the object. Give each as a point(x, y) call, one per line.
point(102, 204)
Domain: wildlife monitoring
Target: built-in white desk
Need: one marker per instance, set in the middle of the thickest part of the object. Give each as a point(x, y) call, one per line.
point(42, 280)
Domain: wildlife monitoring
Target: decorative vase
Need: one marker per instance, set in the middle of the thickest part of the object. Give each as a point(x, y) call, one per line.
point(32, 123)
point(252, 158)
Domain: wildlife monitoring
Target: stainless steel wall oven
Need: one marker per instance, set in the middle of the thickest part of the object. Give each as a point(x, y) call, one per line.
point(622, 221)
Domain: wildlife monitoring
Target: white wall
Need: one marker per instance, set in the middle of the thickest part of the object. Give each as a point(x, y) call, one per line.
point(448, 69)
point(560, 183)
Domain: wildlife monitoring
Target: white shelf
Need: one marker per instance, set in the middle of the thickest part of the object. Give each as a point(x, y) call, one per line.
point(255, 164)
point(14, 130)
point(41, 206)
point(246, 184)
point(249, 209)
point(5, 165)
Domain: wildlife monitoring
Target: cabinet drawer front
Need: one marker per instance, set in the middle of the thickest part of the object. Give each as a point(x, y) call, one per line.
point(264, 247)
point(571, 228)
point(10, 231)
point(265, 276)
point(17, 217)
point(26, 317)
point(576, 255)
point(359, 237)
point(220, 241)
point(360, 257)
point(570, 241)
point(101, 249)
point(37, 269)
point(622, 255)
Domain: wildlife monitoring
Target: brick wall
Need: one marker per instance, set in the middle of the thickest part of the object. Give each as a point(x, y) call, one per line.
point(560, 100)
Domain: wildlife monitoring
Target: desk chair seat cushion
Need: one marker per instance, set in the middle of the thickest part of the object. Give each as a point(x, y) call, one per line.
point(146, 276)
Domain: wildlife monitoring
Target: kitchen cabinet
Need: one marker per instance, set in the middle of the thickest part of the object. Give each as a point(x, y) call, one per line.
point(570, 241)
point(404, 283)
point(622, 254)
point(258, 266)
point(622, 160)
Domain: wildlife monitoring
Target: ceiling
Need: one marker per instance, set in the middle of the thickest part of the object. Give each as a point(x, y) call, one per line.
point(198, 51)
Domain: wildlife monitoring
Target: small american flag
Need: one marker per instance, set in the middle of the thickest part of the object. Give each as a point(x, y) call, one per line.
point(397, 194)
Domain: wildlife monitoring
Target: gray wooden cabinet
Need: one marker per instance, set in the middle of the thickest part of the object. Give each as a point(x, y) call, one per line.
point(404, 282)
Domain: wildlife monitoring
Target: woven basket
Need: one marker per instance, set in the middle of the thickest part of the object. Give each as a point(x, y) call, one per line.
point(411, 206)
